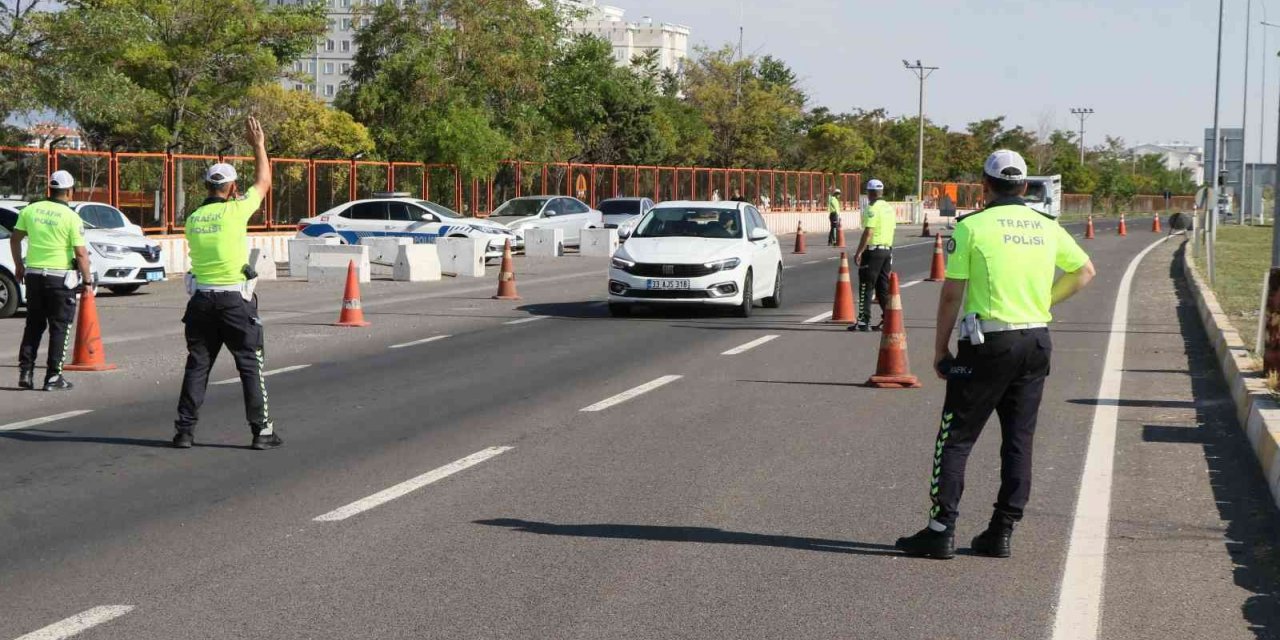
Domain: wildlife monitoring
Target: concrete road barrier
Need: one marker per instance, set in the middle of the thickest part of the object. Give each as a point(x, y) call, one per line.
point(329, 262)
point(416, 263)
point(263, 262)
point(462, 256)
point(300, 253)
point(599, 242)
point(383, 253)
point(544, 243)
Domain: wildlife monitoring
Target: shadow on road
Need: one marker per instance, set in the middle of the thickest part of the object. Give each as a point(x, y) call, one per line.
point(692, 534)
point(28, 436)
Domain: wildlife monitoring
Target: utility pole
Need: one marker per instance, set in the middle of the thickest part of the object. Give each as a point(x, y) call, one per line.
point(1083, 113)
point(1212, 227)
point(1246, 196)
point(922, 72)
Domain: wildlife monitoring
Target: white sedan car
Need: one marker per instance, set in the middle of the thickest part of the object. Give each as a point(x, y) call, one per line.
point(399, 215)
point(548, 212)
point(708, 253)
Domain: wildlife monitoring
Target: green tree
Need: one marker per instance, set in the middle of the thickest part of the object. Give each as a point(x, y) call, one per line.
point(836, 148)
point(745, 114)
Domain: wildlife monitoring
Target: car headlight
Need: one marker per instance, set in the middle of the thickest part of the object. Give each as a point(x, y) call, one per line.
point(722, 265)
point(621, 263)
point(110, 250)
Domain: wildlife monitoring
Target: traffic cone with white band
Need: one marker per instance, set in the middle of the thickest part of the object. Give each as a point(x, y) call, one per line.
point(352, 314)
point(938, 270)
point(892, 370)
point(799, 238)
point(843, 310)
point(507, 277)
point(88, 354)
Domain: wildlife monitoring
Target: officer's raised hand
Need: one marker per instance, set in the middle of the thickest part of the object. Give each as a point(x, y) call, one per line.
point(253, 133)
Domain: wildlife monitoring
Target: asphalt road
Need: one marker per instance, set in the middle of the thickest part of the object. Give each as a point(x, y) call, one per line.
point(457, 488)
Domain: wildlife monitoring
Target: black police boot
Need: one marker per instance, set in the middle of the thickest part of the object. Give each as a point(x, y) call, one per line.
point(995, 541)
point(26, 379)
point(928, 543)
point(184, 440)
point(57, 383)
point(265, 441)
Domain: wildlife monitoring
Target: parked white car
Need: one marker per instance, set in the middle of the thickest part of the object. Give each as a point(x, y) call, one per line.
point(399, 215)
point(620, 211)
point(122, 258)
point(548, 212)
point(706, 253)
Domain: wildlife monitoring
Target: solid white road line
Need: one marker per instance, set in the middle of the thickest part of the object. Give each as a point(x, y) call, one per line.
point(79, 622)
point(818, 318)
point(812, 262)
point(527, 320)
point(35, 422)
point(417, 342)
point(910, 284)
point(1079, 610)
point(410, 485)
point(267, 374)
point(627, 395)
point(749, 346)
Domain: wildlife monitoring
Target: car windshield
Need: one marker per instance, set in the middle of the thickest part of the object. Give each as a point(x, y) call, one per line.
point(438, 209)
point(690, 223)
point(97, 216)
point(1035, 193)
point(620, 207)
point(523, 207)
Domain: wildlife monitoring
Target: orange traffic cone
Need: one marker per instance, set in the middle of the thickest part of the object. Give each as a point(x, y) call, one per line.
point(1088, 229)
point(938, 270)
point(924, 233)
point(507, 277)
point(1155, 224)
point(840, 235)
point(799, 238)
point(843, 311)
point(892, 371)
point(88, 354)
point(1124, 231)
point(352, 312)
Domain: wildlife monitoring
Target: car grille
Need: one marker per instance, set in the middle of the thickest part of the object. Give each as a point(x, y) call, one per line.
point(151, 254)
point(668, 294)
point(651, 270)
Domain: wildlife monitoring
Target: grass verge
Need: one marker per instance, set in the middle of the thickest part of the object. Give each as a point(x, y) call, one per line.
point(1241, 262)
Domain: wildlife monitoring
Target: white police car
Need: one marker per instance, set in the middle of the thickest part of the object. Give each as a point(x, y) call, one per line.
point(398, 215)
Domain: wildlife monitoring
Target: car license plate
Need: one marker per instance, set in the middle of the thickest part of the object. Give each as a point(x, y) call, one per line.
point(154, 276)
point(668, 284)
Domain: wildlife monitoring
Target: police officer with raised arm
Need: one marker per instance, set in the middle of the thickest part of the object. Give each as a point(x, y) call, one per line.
point(55, 269)
point(874, 256)
point(1002, 268)
point(223, 311)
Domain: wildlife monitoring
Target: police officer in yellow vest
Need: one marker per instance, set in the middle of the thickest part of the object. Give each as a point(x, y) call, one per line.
point(833, 216)
point(223, 311)
point(1005, 257)
point(874, 256)
point(55, 269)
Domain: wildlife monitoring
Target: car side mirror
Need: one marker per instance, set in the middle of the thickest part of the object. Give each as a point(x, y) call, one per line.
point(758, 234)
point(427, 217)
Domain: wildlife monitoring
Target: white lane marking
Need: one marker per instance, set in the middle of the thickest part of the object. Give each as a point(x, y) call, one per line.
point(749, 346)
point(818, 318)
point(411, 485)
point(527, 320)
point(910, 284)
point(1080, 598)
point(629, 394)
point(267, 374)
point(417, 342)
point(79, 622)
point(812, 262)
point(35, 422)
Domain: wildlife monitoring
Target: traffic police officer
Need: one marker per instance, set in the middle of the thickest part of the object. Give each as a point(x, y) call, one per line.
point(875, 254)
point(1006, 256)
point(833, 215)
point(223, 311)
point(55, 252)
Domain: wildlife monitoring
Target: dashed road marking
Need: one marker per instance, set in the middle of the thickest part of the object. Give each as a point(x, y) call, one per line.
point(1080, 598)
point(268, 374)
point(910, 284)
point(818, 318)
point(527, 320)
point(749, 346)
point(35, 422)
point(812, 262)
point(79, 622)
point(631, 393)
point(411, 485)
point(417, 342)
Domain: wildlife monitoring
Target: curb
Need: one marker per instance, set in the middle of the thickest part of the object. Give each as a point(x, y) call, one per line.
point(1256, 409)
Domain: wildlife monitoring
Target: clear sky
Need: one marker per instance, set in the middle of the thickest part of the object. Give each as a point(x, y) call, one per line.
point(1145, 66)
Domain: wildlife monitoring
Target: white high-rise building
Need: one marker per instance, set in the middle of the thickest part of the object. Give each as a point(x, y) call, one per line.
point(330, 64)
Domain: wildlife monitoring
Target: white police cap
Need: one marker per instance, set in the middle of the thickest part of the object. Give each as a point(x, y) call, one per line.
point(61, 180)
point(221, 173)
point(875, 185)
point(1006, 165)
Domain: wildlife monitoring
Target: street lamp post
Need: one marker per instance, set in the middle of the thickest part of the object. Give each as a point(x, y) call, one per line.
point(1083, 113)
point(1246, 196)
point(922, 72)
point(1212, 227)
